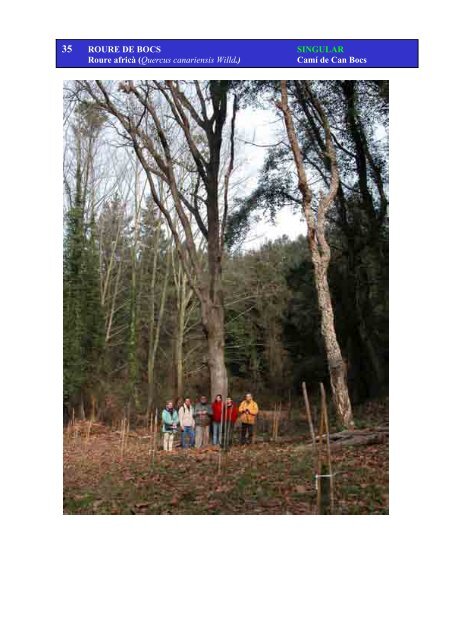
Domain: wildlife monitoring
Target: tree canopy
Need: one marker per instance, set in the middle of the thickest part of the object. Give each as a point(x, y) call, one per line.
point(161, 292)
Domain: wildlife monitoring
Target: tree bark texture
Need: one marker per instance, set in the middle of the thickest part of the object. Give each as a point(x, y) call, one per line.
point(320, 251)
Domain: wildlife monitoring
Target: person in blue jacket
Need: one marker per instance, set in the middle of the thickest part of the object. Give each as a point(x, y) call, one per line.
point(170, 420)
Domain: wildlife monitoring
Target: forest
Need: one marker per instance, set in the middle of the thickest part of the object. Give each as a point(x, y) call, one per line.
point(171, 287)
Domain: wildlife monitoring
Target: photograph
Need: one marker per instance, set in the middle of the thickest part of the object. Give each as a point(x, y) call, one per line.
point(225, 297)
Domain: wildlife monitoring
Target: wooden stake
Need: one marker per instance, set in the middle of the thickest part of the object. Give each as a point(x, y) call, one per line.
point(77, 431)
point(156, 428)
point(223, 435)
point(328, 446)
point(274, 422)
point(308, 414)
point(73, 424)
point(123, 435)
point(226, 430)
point(314, 446)
point(151, 448)
point(319, 467)
point(88, 431)
point(154, 440)
point(278, 420)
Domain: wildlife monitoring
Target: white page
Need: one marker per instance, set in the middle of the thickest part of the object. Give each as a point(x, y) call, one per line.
point(284, 576)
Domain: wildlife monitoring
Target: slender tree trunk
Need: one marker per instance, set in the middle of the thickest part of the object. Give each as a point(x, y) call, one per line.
point(320, 251)
point(336, 365)
point(179, 339)
point(133, 322)
point(153, 345)
point(132, 345)
point(81, 408)
point(152, 323)
point(359, 333)
point(179, 362)
point(184, 295)
point(112, 311)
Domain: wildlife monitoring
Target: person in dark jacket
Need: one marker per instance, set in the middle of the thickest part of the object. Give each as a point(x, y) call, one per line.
point(202, 415)
point(231, 414)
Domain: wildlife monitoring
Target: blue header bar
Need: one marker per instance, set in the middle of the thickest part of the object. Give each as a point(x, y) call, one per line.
point(224, 54)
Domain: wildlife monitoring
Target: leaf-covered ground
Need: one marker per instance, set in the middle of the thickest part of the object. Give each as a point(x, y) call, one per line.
point(265, 478)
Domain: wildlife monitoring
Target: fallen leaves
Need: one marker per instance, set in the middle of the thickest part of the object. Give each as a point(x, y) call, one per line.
point(266, 478)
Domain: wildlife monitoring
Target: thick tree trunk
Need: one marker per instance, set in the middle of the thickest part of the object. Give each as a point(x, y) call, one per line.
point(217, 367)
point(212, 303)
point(213, 323)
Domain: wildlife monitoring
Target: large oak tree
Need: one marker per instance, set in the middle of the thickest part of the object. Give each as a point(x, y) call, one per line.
point(163, 121)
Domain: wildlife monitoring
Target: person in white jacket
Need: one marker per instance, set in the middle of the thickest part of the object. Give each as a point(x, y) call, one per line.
point(187, 424)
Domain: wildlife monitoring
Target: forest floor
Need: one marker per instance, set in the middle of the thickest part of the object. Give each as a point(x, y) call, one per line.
point(264, 478)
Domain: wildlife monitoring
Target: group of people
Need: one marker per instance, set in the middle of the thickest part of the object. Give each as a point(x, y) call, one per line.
point(207, 422)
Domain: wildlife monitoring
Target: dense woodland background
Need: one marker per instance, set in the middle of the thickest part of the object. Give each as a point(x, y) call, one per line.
point(133, 333)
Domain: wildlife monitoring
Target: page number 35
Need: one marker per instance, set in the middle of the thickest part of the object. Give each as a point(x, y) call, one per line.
point(67, 48)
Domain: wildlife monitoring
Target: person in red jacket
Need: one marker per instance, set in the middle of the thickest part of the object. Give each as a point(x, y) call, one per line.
point(217, 418)
point(231, 413)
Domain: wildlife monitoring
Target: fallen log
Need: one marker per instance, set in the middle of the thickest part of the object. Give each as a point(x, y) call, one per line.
point(359, 437)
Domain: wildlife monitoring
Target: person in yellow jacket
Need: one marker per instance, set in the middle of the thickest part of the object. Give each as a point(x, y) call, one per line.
point(248, 411)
